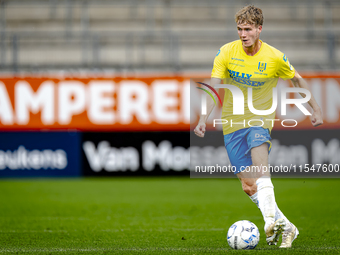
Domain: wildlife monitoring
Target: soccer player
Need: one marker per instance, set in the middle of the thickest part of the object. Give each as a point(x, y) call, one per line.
point(250, 62)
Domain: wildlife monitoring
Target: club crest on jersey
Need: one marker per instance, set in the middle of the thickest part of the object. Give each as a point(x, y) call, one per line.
point(262, 66)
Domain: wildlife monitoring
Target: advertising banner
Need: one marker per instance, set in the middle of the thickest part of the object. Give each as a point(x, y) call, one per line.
point(140, 125)
point(293, 154)
point(40, 154)
point(135, 153)
point(94, 104)
point(134, 104)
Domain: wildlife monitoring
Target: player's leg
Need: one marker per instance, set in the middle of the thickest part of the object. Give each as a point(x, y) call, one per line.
point(249, 147)
point(267, 204)
point(289, 234)
point(265, 194)
point(265, 188)
point(237, 148)
point(239, 152)
point(250, 188)
point(257, 185)
point(259, 143)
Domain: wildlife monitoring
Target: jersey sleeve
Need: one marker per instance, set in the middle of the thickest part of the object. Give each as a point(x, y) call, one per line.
point(284, 69)
point(220, 64)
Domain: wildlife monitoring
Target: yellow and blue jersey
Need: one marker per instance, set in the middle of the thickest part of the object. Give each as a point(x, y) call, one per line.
point(259, 72)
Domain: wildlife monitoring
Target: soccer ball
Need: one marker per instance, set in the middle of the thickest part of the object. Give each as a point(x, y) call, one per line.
point(243, 235)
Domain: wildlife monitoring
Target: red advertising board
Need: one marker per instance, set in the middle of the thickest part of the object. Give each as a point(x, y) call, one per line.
point(127, 104)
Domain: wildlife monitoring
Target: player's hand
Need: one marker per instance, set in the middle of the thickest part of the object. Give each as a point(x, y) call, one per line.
point(200, 129)
point(316, 118)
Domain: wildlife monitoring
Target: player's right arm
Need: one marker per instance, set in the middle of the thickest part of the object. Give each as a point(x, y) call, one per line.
point(217, 75)
point(200, 128)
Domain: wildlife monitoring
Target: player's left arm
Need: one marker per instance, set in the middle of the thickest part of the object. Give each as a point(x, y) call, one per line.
point(316, 117)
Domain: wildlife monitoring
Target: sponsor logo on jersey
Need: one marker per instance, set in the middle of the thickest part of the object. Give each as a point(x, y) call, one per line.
point(262, 66)
point(218, 53)
point(234, 74)
point(244, 78)
point(238, 59)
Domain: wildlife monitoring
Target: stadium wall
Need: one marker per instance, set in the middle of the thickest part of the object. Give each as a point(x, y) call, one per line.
point(103, 126)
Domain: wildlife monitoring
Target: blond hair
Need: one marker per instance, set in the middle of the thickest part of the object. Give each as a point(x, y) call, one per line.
point(249, 14)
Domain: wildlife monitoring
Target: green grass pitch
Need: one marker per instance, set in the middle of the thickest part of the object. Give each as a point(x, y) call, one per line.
point(157, 215)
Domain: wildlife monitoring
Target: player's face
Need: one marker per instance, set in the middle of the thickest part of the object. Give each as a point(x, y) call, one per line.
point(248, 33)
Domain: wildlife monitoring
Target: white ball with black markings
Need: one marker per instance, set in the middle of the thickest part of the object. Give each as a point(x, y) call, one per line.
point(243, 235)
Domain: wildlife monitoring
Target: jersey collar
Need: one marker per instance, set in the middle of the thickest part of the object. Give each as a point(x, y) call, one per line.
point(257, 53)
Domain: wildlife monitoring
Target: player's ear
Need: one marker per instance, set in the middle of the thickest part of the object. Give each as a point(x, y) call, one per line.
point(260, 28)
